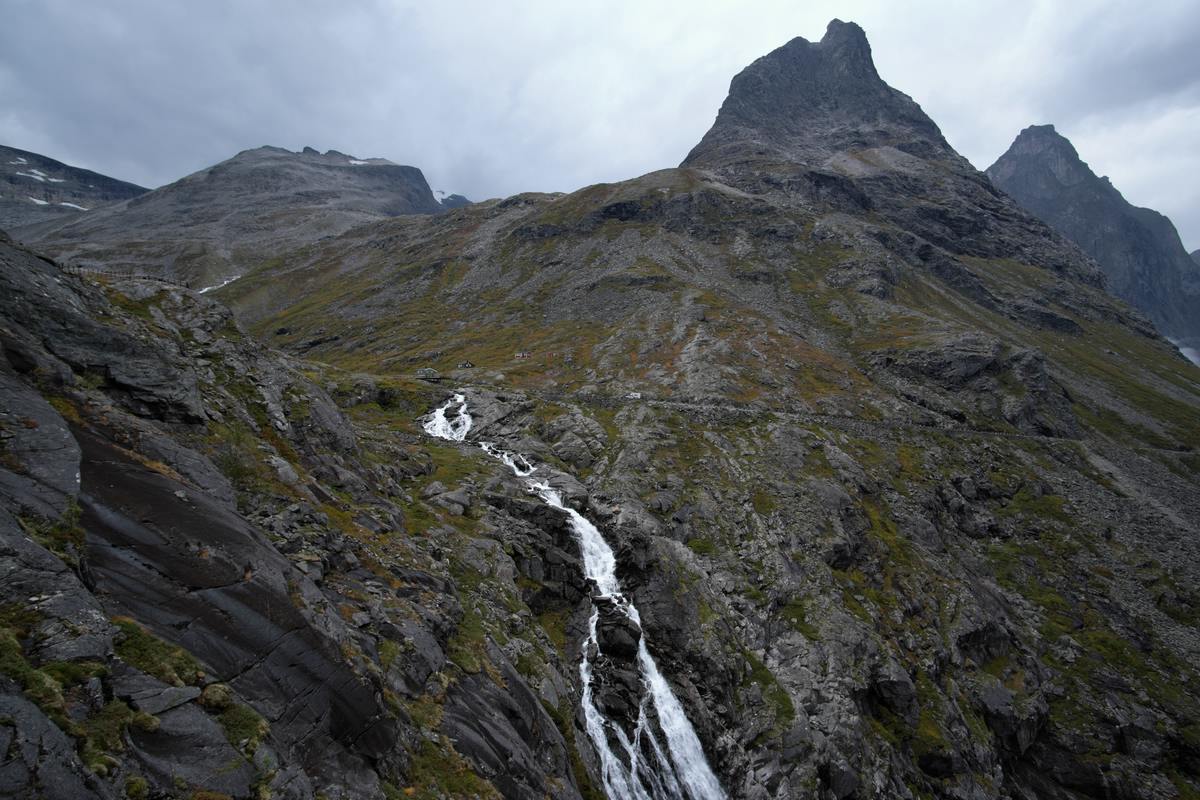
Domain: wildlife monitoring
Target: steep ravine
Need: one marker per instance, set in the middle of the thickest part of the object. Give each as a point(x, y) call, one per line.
point(634, 763)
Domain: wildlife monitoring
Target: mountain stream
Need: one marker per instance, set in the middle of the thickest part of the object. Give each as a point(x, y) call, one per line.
point(648, 770)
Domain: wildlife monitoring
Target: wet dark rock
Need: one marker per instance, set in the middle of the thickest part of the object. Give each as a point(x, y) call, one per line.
point(510, 737)
point(149, 694)
point(841, 780)
point(618, 635)
point(894, 689)
point(232, 599)
point(36, 436)
point(1017, 727)
point(71, 623)
point(36, 758)
point(188, 743)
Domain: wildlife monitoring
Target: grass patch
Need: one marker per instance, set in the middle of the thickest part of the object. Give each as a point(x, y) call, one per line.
point(773, 693)
point(437, 772)
point(795, 614)
point(1044, 506)
point(64, 537)
point(243, 727)
point(763, 503)
point(141, 649)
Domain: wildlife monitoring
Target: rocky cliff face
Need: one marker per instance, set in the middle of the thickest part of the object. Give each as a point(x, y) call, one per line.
point(217, 584)
point(1139, 249)
point(908, 503)
point(34, 188)
point(217, 223)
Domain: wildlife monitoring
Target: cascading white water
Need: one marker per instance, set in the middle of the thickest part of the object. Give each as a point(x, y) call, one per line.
point(647, 772)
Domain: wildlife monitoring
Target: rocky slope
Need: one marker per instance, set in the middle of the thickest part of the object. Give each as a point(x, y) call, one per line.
point(216, 584)
point(1139, 249)
point(875, 432)
point(220, 222)
point(907, 502)
point(34, 188)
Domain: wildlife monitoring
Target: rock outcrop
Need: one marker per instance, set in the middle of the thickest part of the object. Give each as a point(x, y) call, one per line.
point(1139, 249)
point(203, 585)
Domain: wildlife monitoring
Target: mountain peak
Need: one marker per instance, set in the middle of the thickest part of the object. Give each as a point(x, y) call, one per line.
point(1138, 248)
point(1044, 138)
point(847, 42)
point(1049, 150)
point(805, 101)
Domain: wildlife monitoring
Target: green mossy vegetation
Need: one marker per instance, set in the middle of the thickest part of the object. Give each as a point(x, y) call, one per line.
point(776, 697)
point(100, 735)
point(796, 613)
point(64, 536)
point(139, 648)
point(243, 727)
point(437, 772)
point(137, 787)
point(1026, 503)
point(467, 648)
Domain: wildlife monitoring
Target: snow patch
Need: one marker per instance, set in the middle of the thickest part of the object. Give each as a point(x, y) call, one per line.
point(41, 178)
point(357, 163)
point(19, 161)
point(40, 202)
point(219, 285)
point(57, 180)
point(72, 205)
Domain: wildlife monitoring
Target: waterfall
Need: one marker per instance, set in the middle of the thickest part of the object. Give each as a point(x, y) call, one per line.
point(648, 771)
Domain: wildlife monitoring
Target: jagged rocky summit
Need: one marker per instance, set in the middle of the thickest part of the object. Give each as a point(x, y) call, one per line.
point(808, 101)
point(1139, 249)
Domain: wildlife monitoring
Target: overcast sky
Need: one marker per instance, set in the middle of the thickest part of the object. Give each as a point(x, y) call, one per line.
point(493, 98)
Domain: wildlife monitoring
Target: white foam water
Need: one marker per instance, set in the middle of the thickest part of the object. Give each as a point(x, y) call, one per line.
point(648, 771)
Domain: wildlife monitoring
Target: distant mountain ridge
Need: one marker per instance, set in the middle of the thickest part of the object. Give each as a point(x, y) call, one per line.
point(1139, 249)
point(216, 223)
point(34, 188)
